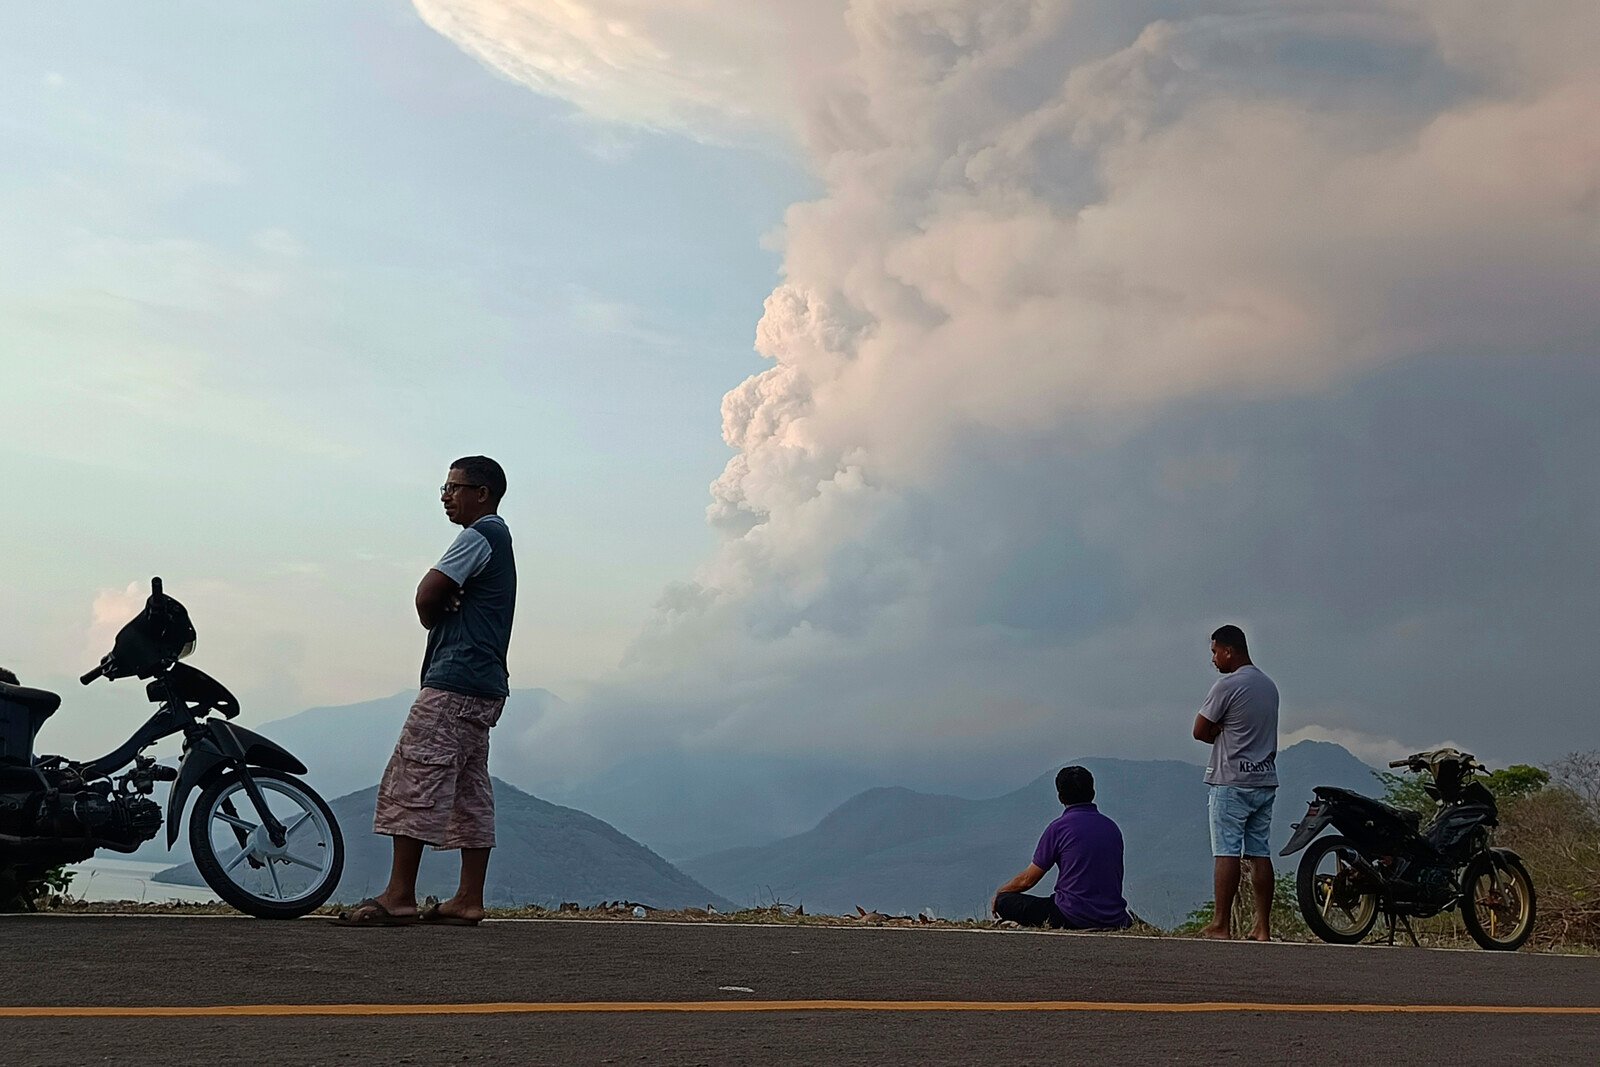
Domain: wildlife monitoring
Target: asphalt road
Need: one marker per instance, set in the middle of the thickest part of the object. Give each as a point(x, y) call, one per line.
point(574, 992)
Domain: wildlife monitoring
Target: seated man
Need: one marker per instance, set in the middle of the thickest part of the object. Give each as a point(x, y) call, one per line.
point(1086, 847)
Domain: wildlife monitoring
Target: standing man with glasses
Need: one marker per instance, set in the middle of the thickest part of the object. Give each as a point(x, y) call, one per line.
point(436, 789)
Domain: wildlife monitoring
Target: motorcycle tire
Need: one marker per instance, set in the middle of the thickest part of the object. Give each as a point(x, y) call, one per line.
point(237, 875)
point(1498, 901)
point(1317, 893)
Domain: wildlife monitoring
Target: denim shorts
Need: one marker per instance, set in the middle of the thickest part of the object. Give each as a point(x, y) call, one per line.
point(1241, 818)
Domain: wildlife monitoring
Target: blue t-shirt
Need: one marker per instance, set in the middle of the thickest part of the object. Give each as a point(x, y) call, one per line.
point(1086, 846)
point(467, 648)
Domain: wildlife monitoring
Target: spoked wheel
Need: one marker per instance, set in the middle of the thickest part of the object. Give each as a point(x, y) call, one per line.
point(1498, 902)
point(1338, 903)
point(239, 860)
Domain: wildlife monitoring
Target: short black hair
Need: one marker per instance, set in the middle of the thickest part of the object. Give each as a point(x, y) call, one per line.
point(1074, 785)
point(1231, 636)
point(485, 472)
point(8, 678)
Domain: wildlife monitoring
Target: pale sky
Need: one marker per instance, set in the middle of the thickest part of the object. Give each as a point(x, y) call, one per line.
point(1079, 329)
point(264, 271)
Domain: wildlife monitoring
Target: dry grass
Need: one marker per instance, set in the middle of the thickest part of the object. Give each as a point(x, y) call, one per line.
point(1557, 833)
point(620, 911)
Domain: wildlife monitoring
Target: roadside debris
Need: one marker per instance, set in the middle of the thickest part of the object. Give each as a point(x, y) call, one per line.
point(776, 914)
point(878, 918)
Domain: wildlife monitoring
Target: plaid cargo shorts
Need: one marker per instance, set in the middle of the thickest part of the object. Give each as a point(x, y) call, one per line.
point(436, 787)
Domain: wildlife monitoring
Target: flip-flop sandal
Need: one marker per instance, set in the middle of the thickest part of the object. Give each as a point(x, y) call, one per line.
point(371, 913)
point(434, 917)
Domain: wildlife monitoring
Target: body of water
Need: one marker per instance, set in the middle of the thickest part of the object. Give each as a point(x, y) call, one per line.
point(119, 878)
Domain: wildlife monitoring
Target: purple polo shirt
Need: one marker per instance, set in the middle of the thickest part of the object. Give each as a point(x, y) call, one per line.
point(1087, 848)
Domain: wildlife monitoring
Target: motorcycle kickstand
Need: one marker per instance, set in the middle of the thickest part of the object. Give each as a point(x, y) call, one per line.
point(1395, 917)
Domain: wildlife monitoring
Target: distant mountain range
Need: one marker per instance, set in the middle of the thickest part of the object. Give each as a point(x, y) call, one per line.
point(546, 854)
point(900, 851)
point(816, 833)
point(717, 801)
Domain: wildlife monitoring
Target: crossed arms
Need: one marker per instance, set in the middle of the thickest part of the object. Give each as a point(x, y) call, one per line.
point(437, 595)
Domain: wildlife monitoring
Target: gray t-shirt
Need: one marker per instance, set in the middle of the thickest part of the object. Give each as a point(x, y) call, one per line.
point(1245, 753)
point(467, 648)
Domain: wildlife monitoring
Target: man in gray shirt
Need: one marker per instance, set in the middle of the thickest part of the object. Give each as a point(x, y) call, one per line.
point(1239, 720)
point(436, 789)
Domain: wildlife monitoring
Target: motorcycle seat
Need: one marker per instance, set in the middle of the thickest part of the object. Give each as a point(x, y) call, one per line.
point(1410, 819)
point(40, 702)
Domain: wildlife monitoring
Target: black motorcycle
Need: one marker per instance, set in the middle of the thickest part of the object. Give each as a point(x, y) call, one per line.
point(1384, 861)
point(262, 839)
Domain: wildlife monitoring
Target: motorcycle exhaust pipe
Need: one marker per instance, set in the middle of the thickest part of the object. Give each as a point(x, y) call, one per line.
point(1366, 867)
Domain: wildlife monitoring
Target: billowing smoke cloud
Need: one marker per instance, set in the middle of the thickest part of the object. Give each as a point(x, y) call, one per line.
point(703, 68)
point(1117, 320)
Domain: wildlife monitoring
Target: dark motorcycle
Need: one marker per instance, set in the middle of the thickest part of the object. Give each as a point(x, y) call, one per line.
point(1383, 860)
point(264, 841)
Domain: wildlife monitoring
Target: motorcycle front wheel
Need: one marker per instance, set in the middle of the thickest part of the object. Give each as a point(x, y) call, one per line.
point(241, 863)
point(1336, 904)
point(1498, 902)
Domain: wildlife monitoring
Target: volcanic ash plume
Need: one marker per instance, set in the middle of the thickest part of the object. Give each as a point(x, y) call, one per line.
point(1048, 230)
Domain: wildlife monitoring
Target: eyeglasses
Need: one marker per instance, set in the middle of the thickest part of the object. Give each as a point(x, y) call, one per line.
point(449, 487)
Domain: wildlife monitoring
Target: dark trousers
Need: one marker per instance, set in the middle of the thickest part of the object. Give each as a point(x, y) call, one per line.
point(1024, 910)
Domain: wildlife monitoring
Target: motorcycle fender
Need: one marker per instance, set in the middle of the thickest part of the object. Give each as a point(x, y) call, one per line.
point(1501, 858)
point(1317, 816)
point(223, 745)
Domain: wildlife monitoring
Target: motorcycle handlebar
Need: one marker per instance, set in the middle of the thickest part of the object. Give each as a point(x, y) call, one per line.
point(100, 671)
point(1399, 763)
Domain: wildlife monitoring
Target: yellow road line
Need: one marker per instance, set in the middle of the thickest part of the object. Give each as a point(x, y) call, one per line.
point(713, 1007)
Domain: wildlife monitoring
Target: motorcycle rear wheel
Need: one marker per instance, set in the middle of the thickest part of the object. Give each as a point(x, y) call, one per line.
point(256, 876)
point(1498, 901)
point(1332, 902)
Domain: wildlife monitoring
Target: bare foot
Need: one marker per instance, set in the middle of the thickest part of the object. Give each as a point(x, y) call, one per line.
point(400, 909)
point(454, 909)
point(1261, 935)
point(371, 912)
point(1217, 933)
